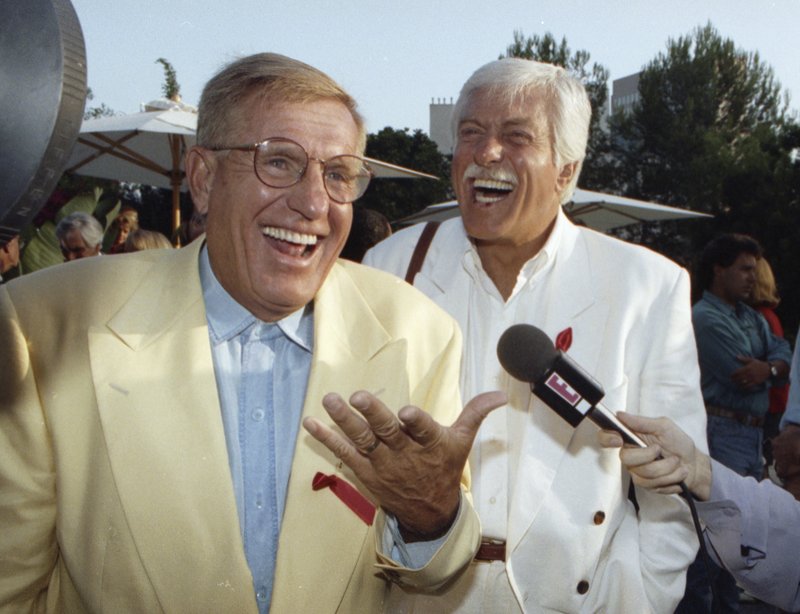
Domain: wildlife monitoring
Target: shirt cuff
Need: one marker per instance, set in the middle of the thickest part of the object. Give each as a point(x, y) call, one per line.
point(415, 555)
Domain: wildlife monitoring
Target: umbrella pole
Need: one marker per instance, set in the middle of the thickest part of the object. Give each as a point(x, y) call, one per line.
point(176, 180)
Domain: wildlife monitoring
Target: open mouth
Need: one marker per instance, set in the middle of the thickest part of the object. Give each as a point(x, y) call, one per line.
point(290, 242)
point(491, 190)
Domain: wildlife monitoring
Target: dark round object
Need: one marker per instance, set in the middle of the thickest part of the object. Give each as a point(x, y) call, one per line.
point(526, 352)
point(43, 67)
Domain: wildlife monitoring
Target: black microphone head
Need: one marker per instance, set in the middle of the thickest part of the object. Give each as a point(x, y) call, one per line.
point(526, 352)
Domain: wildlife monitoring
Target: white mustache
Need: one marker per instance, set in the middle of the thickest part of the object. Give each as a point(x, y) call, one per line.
point(499, 174)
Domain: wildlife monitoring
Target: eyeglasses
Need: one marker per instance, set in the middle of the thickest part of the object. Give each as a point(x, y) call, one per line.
point(282, 163)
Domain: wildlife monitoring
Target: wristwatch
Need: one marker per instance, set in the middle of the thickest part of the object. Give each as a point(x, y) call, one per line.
point(773, 370)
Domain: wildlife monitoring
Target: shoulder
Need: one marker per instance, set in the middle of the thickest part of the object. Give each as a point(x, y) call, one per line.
point(394, 253)
point(395, 303)
point(631, 265)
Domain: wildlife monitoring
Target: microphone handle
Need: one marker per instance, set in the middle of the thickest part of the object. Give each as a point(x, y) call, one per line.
point(606, 420)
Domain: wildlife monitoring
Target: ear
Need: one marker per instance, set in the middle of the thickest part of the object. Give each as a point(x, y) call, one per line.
point(201, 164)
point(565, 175)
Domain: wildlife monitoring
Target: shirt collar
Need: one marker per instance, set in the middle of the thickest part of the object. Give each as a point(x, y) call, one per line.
point(228, 319)
point(721, 305)
point(541, 261)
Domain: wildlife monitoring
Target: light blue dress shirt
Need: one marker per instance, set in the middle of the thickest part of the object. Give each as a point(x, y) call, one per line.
point(724, 332)
point(261, 371)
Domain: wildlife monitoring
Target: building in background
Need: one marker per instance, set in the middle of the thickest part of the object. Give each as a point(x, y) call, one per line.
point(625, 93)
point(440, 130)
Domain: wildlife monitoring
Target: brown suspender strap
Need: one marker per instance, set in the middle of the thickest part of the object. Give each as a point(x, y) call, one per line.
point(418, 257)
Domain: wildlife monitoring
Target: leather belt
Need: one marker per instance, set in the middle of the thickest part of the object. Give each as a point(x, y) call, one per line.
point(738, 416)
point(491, 550)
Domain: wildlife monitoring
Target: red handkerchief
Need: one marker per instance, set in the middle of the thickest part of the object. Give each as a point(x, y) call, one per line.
point(347, 493)
point(564, 339)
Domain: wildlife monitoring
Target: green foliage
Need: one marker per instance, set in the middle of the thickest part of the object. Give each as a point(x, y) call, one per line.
point(595, 173)
point(711, 133)
point(170, 89)
point(398, 198)
point(94, 112)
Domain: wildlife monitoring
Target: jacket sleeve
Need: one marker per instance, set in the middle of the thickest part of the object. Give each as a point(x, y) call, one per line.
point(753, 528)
point(437, 392)
point(28, 547)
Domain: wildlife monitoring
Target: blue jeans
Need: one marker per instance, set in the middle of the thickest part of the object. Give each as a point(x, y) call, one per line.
point(738, 447)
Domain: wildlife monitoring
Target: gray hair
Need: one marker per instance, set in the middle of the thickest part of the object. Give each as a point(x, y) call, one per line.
point(270, 77)
point(566, 103)
point(89, 227)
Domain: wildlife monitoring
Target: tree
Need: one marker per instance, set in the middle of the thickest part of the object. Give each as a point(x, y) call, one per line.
point(94, 112)
point(170, 88)
point(596, 170)
point(398, 198)
point(711, 133)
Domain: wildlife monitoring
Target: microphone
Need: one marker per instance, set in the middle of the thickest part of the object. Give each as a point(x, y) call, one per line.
point(528, 355)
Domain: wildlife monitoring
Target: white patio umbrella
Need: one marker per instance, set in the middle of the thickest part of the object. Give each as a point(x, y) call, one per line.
point(145, 147)
point(594, 209)
point(149, 147)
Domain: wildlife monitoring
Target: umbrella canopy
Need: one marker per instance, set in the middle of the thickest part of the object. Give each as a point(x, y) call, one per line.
point(145, 147)
point(593, 209)
point(149, 147)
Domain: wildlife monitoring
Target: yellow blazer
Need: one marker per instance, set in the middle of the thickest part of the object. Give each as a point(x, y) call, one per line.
point(115, 488)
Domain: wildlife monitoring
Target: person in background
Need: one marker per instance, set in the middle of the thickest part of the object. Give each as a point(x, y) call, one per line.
point(151, 455)
point(140, 239)
point(9, 256)
point(559, 531)
point(126, 222)
point(740, 359)
point(80, 236)
point(369, 228)
point(752, 528)
point(765, 299)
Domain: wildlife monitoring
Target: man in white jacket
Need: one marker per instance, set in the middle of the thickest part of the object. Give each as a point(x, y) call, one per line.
point(559, 531)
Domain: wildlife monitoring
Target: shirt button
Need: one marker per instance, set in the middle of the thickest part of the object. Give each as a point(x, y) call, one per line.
point(261, 595)
point(583, 587)
point(599, 517)
point(257, 415)
point(493, 500)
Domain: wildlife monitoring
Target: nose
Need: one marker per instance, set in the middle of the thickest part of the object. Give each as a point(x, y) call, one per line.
point(489, 150)
point(309, 196)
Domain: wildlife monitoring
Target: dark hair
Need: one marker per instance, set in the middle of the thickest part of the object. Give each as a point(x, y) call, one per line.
point(723, 251)
point(369, 227)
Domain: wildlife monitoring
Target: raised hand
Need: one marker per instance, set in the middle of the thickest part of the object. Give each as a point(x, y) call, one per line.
point(409, 462)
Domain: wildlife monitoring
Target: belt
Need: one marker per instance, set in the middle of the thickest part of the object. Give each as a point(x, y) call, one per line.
point(491, 550)
point(740, 417)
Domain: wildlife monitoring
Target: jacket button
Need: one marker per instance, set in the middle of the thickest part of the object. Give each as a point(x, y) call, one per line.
point(583, 587)
point(599, 517)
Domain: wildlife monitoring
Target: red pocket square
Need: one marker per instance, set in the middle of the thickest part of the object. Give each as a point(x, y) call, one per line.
point(564, 339)
point(347, 493)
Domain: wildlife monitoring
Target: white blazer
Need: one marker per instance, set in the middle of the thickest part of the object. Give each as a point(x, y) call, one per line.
point(575, 542)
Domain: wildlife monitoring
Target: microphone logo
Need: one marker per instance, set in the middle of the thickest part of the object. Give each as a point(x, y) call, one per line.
point(562, 389)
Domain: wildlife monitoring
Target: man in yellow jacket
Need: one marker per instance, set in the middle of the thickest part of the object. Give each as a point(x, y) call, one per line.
point(151, 455)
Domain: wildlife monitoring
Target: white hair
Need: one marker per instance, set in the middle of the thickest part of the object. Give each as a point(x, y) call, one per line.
point(566, 104)
point(87, 225)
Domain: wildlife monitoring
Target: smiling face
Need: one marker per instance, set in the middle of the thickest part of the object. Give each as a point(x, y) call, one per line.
point(506, 180)
point(271, 248)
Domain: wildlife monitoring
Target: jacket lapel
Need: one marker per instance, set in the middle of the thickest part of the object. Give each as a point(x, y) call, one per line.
point(320, 536)
point(571, 303)
point(158, 404)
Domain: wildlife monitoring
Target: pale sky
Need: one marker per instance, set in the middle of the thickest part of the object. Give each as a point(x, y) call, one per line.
point(396, 56)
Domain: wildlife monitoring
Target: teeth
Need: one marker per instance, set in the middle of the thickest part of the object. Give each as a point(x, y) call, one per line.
point(492, 184)
point(287, 235)
point(484, 198)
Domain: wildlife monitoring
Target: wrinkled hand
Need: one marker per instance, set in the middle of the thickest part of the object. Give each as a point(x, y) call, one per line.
point(752, 373)
point(410, 462)
point(669, 458)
